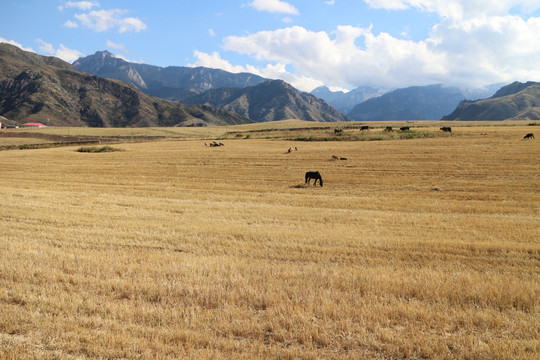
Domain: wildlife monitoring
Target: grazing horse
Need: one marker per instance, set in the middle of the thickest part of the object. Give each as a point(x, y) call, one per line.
point(446, 129)
point(529, 136)
point(314, 175)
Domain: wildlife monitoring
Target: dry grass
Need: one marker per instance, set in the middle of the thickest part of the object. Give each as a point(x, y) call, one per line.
point(421, 248)
point(14, 141)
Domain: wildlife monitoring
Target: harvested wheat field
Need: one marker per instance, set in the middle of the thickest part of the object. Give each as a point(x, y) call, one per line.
point(413, 248)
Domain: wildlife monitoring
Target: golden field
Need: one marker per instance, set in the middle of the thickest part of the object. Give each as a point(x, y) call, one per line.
point(418, 248)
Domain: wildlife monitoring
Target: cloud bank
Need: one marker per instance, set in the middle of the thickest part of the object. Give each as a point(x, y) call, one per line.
point(471, 45)
point(63, 52)
point(102, 20)
point(274, 6)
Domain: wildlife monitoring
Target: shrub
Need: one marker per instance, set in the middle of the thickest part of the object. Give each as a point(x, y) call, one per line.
point(95, 149)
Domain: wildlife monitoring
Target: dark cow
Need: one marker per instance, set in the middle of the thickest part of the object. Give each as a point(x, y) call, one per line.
point(446, 129)
point(338, 131)
point(529, 136)
point(404, 128)
point(365, 127)
point(388, 129)
point(314, 175)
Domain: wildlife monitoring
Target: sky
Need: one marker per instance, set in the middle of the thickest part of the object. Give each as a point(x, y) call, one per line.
point(342, 44)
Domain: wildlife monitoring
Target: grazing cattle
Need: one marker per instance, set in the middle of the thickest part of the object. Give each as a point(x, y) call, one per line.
point(404, 128)
point(365, 127)
point(446, 129)
point(295, 148)
point(205, 144)
point(288, 151)
point(388, 129)
point(338, 131)
point(314, 175)
point(334, 157)
point(529, 136)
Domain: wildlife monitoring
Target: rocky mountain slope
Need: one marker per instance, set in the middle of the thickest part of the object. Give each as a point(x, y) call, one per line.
point(172, 82)
point(346, 101)
point(413, 103)
point(51, 91)
point(270, 101)
point(515, 101)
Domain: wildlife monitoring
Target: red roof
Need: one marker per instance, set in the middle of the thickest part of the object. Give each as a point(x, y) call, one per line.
point(34, 124)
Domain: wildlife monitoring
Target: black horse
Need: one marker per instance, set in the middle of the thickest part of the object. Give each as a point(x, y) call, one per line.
point(314, 175)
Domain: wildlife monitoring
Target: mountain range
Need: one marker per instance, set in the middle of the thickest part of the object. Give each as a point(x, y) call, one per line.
point(346, 101)
point(515, 101)
point(268, 101)
point(103, 90)
point(412, 103)
point(246, 94)
point(172, 82)
point(428, 102)
point(49, 90)
point(263, 100)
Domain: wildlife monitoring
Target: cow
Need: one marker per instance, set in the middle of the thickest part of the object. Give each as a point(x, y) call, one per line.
point(338, 131)
point(365, 127)
point(388, 129)
point(529, 136)
point(446, 129)
point(404, 128)
point(314, 175)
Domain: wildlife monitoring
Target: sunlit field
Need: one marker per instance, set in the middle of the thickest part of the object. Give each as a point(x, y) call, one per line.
point(425, 247)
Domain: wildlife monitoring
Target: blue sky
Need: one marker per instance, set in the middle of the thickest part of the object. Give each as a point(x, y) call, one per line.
point(339, 43)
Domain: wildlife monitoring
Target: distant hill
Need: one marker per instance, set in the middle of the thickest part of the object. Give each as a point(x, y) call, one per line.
point(346, 101)
point(269, 101)
point(49, 90)
point(515, 101)
point(172, 82)
point(413, 103)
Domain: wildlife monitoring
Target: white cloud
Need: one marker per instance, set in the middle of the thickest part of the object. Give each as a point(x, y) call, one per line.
point(274, 6)
point(469, 52)
point(330, 2)
point(214, 60)
point(103, 20)
point(71, 24)
point(459, 9)
point(83, 5)
point(270, 71)
point(45, 47)
point(113, 45)
point(63, 52)
point(66, 54)
point(211, 32)
point(14, 43)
